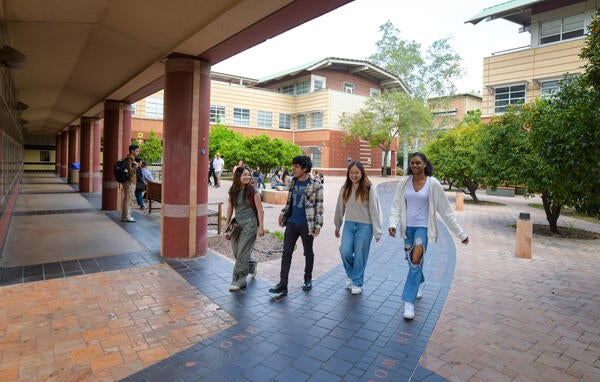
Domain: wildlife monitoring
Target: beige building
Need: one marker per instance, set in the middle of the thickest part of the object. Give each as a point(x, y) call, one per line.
point(449, 111)
point(557, 28)
point(302, 105)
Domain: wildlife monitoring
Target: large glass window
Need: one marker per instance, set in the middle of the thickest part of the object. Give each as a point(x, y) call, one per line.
point(549, 87)
point(316, 120)
point(508, 95)
point(303, 87)
point(241, 117)
point(301, 121)
point(562, 29)
point(264, 119)
point(285, 121)
point(217, 114)
point(288, 89)
point(154, 108)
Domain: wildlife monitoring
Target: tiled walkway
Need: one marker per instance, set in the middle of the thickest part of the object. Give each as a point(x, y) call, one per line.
point(485, 315)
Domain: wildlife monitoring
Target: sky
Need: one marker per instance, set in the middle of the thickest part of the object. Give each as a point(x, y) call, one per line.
point(352, 31)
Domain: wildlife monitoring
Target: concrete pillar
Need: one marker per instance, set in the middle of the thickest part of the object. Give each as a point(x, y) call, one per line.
point(393, 160)
point(73, 156)
point(117, 117)
point(89, 174)
point(64, 154)
point(185, 165)
point(57, 154)
point(460, 201)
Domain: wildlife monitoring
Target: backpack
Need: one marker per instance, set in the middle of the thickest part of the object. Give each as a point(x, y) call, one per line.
point(140, 185)
point(121, 173)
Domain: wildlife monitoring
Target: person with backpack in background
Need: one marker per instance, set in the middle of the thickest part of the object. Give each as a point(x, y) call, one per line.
point(244, 200)
point(129, 186)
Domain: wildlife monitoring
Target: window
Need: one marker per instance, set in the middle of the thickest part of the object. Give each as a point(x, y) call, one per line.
point(217, 114)
point(264, 119)
point(562, 29)
point(301, 121)
point(154, 108)
point(285, 121)
point(349, 87)
point(241, 117)
point(318, 83)
point(548, 88)
point(44, 156)
point(303, 87)
point(133, 109)
point(446, 113)
point(288, 89)
point(508, 95)
point(316, 120)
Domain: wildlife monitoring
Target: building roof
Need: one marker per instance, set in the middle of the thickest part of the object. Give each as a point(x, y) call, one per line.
point(360, 67)
point(517, 11)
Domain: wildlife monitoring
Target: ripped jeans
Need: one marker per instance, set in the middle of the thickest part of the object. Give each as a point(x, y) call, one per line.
point(414, 236)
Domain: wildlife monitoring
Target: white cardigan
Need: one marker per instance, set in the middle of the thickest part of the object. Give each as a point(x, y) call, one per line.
point(438, 202)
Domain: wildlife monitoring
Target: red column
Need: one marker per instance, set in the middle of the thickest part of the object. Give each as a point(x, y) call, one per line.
point(117, 116)
point(73, 152)
point(57, 153)
point(89, 174)
point(64, 151)
point(185, 164)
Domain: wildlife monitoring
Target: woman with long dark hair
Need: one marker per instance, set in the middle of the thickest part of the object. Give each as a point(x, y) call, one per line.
point(244, 200)
point(418, 198)
point(358, 203)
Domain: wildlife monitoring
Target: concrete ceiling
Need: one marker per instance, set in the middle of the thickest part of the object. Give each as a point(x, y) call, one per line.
point(82, 52)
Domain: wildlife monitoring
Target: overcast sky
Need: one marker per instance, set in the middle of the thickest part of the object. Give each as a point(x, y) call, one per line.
point(352, 30)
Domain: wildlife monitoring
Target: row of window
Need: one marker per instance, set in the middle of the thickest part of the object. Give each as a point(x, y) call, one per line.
point(241, 117)
point(515, 94)
point(562, 29)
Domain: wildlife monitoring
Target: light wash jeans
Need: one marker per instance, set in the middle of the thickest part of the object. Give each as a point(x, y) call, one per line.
point(414, 236)
point(356, 242)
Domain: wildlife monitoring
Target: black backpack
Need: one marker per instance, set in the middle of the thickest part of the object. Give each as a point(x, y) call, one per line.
point(121, 173)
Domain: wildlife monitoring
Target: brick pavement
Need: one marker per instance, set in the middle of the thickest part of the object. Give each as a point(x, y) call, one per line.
point(486, 315)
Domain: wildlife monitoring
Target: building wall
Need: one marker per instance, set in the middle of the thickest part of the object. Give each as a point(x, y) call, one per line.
point(449, 112)
point(529, 66)
point(336, 79)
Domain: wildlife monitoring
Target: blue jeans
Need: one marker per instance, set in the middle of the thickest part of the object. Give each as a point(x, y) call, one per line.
point(139, 198)
point(414, 236)
point(356, 242)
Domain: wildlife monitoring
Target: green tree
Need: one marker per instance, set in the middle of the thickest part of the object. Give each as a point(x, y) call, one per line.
point(454, 156)
point(386, 117)
point(427, 76)
point(151, 150)
point(219, 137)
point(268, 154)
point(591, 54)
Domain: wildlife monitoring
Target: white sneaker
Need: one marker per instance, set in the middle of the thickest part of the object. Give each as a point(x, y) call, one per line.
point(234, 287)
point(356, 289)
point(128, 220)
point(420, 291)
point(348, 283)
point(409, 311)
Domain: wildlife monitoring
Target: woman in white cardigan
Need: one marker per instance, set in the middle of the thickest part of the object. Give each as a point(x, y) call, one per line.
point(418, 197)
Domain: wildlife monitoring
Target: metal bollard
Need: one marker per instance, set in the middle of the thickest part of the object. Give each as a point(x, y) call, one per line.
point(460, 200)
point(524, 235)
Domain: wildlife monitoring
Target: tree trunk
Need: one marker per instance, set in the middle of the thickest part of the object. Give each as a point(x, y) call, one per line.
point(552, 212)
point(405, 150)
point(472, 187)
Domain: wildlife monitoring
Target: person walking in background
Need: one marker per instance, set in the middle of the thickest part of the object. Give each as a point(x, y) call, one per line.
point(218, 165)
point(358, 202)
point(239, 163)
point(140, 185)
point(302, 217)
point(244, 201)
point(211, 173)
point(129, 187)
point(419, 196)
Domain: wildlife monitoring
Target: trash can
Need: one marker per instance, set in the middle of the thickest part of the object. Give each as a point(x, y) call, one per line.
point(74, 173)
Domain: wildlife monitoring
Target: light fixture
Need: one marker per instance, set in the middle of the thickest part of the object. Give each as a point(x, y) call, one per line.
point(12, 58)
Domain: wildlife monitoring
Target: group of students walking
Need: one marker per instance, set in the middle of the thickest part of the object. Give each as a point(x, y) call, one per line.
point(418, 198)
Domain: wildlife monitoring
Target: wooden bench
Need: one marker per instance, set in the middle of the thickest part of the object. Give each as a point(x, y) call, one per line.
point(274, 196)
point(154, 194)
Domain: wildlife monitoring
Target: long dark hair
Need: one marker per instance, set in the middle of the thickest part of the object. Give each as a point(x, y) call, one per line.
point(363, 184)
point(428, 166)
point(237, 186)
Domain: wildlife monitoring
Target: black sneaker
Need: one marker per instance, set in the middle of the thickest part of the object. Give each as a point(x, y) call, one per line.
point(279, 288)
point(307, 285)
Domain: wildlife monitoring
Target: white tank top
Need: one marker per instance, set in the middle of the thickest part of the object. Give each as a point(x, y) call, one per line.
point(417, 205)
